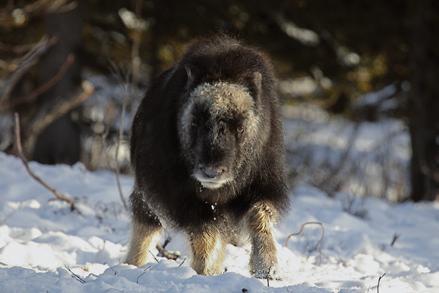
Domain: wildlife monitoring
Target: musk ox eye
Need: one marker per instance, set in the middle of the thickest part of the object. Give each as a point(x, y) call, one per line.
point(240, 129)
point(221, 127)
point(238, 125)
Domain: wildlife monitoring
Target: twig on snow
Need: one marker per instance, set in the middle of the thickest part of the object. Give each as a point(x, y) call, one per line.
point(167, 241)
point(163, 252)
point(155, 258)
point(115, 272)
point(379, 280)
point(75, 276)
point(318, 245)
point(301, 231)
point(58, 195)
point(182, 262)
point(395, 237)
point(144, 272)
point(268, 277)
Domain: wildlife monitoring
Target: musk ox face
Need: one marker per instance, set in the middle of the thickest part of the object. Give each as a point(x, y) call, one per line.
point(217, 126)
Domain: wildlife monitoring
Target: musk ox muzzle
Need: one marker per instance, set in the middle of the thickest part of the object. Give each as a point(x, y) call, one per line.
point(212, 177)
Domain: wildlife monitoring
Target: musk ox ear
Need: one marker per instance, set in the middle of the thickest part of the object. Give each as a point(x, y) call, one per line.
point(189, 77)
point(257, 80)
point(256, 85)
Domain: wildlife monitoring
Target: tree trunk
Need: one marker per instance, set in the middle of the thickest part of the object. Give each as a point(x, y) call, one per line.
point(60, 141)
point(424, 101)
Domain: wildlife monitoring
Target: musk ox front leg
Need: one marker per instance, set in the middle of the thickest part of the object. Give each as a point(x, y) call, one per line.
point(141, 238)
point(263, 258)
point(145, 227)
point(208, 250)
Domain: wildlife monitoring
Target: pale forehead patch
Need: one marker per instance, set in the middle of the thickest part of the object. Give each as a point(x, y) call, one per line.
point(223, 97)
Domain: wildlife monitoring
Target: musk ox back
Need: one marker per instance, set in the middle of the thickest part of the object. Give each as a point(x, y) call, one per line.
point(207, 151)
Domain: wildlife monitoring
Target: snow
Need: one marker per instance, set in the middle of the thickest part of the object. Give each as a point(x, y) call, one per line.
point(377, 158)
point(44, 247)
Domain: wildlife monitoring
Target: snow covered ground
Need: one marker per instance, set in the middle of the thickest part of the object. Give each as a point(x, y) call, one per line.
point(44, 247)
point(336, 154)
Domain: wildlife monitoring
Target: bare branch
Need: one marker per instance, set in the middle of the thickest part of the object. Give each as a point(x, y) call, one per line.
point(330, 183)
point(26, 62)
point(44, 6)
point(301, 231)
point(119, 186)
point(34, 9)
point(16, 49)
point(58, 111)
point(7, 105)
point(126, 82)
point(135, 48)
point(56, 193)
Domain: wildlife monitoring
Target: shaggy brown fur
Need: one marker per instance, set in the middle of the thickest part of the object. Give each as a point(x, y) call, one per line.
point(208, 250)
point(263, 255)
point(207, 150)
point(141, 238)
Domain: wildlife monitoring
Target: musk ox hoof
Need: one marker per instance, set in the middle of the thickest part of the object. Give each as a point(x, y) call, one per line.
point(264, 266)
point(264, 273)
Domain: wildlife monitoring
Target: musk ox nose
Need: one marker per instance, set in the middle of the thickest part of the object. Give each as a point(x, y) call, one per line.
point(213, 172)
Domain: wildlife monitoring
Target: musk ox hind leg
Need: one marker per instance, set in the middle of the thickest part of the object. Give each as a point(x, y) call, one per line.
point(208, 250)
point(263, 258)
point(145, 227)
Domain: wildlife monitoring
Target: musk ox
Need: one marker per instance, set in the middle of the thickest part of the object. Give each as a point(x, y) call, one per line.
point(207, 151)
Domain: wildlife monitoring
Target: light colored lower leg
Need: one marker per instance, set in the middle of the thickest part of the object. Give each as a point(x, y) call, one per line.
point(208, 250)
point(263, 257)
point(142, 235)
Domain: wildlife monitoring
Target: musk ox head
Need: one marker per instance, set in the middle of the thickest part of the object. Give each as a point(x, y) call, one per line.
point(218, 126)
